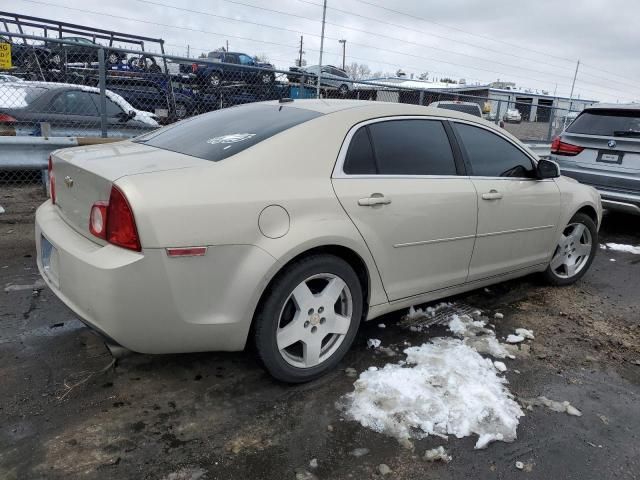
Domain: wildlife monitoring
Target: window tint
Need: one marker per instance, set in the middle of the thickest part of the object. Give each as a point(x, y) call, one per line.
point(462, 107)
point(607, 122)
point(113, 109)
point(412, 147)
point(217, 135)
point(491, 155)
point(360, 159)
point(74, 102)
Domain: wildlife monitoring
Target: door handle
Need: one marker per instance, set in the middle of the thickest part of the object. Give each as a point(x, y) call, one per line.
point(492, 195)
point(374, 199)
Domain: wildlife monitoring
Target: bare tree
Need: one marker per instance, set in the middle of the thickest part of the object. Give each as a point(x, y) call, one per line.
point(262, 58)
point(358, 71)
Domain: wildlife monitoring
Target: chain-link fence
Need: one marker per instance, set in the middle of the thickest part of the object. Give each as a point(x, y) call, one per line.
point(75, 87)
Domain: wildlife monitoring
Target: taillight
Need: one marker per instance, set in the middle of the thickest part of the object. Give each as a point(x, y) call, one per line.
point(194, 67)
point(113, 221)
point(52, 181)
point(7, 127)
point(562, 148)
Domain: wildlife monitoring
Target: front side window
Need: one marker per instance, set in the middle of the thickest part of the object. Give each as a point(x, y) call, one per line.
point(74, 102)
point(490, 155)
point(246, 60)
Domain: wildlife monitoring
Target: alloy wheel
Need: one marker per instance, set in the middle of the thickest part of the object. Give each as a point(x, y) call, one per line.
point(314, 320)
point(573, 251)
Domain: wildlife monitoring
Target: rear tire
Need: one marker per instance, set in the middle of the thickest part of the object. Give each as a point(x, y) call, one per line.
point(308, 318)
point(574, 253)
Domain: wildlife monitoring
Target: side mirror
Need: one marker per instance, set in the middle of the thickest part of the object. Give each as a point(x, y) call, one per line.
point(548, 169)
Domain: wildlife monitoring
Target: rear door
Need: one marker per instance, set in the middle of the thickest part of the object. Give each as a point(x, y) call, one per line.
point(517, 214)
point(73, 113)
point(610, 159)
point(402, 186)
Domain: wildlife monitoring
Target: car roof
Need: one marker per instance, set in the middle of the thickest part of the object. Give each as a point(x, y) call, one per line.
point(614, 106)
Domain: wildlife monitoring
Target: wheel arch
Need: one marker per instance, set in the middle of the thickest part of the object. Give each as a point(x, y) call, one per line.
point(349, 255)
point(589, 211)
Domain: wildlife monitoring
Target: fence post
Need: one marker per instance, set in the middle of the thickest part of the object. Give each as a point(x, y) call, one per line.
point(498, 108)
point(102, 80)
point(421, 102)
point(551, 119)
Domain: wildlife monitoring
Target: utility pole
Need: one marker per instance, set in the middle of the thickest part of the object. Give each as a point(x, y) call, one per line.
point(344, 46)
point(575, 75)
point(227, 45)
point(187, 50)
point(324, 18)
point(300, 52)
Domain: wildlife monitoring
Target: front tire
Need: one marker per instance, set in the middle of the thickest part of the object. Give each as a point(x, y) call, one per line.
point(575, 251)
point(308, 318)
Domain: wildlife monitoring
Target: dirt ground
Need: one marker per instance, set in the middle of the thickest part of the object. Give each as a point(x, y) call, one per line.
point(67, 411)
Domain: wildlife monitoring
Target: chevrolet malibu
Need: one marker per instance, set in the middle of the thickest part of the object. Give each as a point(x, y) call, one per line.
point(285, 224)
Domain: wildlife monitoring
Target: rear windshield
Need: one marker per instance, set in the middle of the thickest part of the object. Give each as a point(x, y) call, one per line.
point(616, 123)
point(15, 96)
point(217, 135)
point(461, 107)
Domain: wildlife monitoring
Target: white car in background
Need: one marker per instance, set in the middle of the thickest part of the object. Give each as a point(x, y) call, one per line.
point(285, 224)
point(512, 115)
point(470, 108)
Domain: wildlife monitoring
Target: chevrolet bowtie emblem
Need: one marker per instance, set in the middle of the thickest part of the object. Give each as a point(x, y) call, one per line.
point(68, 181)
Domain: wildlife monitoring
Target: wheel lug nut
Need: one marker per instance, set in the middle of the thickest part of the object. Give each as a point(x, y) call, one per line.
point(311, 311)
point(313, 329)
point(322, 320)
point(321, 309)
point(306, 324)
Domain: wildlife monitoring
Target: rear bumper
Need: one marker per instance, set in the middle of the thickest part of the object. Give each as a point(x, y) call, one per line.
point(148, 302)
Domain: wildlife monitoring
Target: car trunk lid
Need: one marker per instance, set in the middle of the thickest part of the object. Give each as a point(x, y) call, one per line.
point(85, 175)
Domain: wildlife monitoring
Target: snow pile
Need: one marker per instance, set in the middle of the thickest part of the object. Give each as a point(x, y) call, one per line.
point(444, 388)
point(620, 247)
point(477, 336)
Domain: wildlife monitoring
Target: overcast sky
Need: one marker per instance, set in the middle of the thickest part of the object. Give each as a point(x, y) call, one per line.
point(535, 43)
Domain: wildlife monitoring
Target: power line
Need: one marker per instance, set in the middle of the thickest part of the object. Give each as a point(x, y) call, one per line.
point(486, 37)
point(430, 34)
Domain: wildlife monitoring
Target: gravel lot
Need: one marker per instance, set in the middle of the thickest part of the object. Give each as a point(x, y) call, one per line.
point(67, 411)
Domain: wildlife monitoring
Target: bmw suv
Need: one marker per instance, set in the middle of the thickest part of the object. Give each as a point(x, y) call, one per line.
point(601, 148)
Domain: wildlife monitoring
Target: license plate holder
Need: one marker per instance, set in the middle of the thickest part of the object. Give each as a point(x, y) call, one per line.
point(610, 156)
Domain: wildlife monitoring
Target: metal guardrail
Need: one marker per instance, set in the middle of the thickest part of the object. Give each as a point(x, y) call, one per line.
point(32, 153)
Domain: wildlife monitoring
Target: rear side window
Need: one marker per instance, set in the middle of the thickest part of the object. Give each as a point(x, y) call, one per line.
point(13, 96)
point(218, 135)
point(461, 107)
point(607, 122)
point(360, 159)
point(412, 147)
point(491, 155)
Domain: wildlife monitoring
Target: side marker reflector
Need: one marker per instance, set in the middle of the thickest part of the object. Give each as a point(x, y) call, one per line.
point(187, 252)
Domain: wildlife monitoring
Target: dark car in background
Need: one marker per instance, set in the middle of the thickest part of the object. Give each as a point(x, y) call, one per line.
point(68, 110)
point(601, 148)
point(223, 67)
point(80, 50)
point(154, 96)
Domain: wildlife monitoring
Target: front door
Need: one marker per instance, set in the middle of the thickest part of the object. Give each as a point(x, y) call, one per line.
point(400, 185)
point(517, 214)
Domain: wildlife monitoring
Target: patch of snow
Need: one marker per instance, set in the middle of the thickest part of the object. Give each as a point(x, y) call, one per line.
point(1, 209)
point(519, 465)
point(620, 247)
point(359, 452)
point(500, 366)
point(515, 338)
point(446, 388)
point(373, 343)
point(37, 285)
point(612, 259)
point(523, 332)
point(499, 315)
point(553, 405)
point(437, 454)
point(477, 336)
point(382, 325)
point(313, 463)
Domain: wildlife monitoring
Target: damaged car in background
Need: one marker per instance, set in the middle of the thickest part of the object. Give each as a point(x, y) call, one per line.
point(285, 224)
